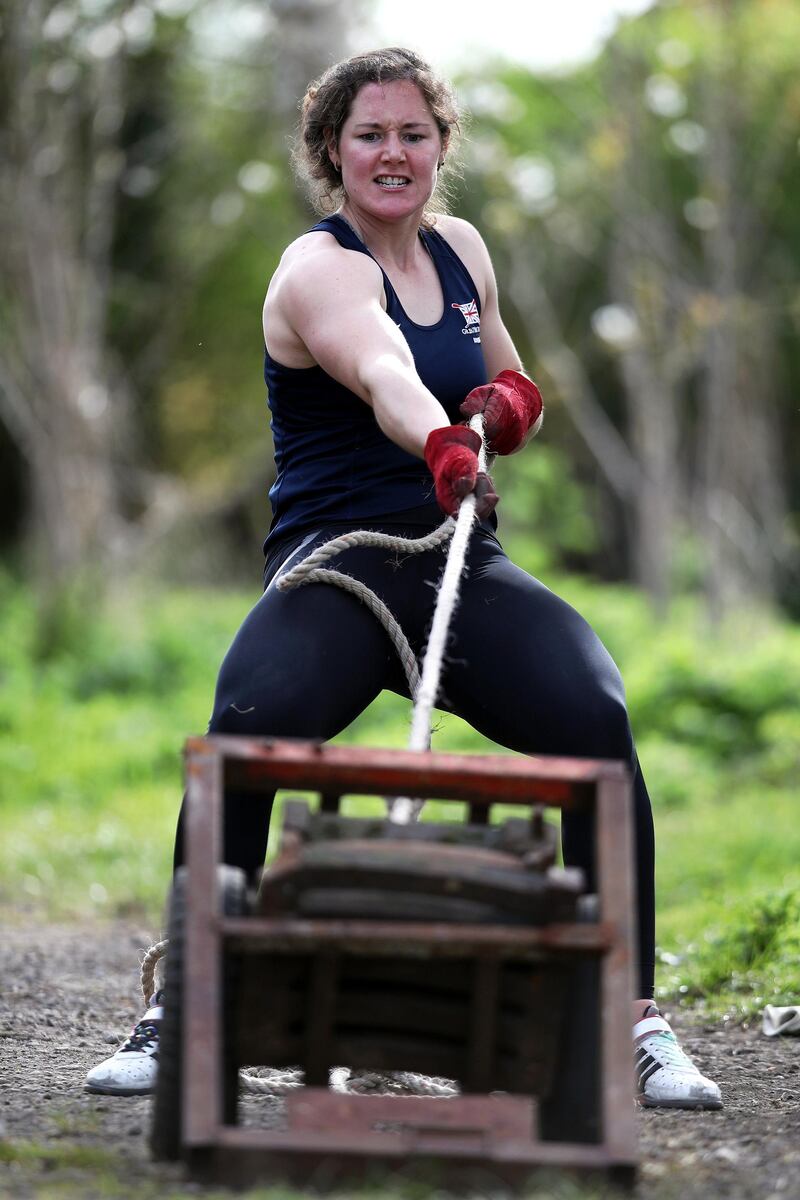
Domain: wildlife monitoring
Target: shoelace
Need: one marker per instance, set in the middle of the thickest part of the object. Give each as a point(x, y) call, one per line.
point(144, 1034)
point(669, 1054)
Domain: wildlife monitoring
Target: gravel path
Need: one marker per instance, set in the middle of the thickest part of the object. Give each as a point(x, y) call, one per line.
point(68, 994)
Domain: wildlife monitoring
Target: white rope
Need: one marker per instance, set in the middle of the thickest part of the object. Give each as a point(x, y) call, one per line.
point(394, 1083)
point(365, 537)
point(403, 810)
point(445, 606)
point(309, 570)
point(377, 608)
point(424, 687)
point(148, 968)
point(424, 691)
point(271, 1081)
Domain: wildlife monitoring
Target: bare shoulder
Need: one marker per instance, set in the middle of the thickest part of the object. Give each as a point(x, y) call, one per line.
point(470, 247)
point(458, 232)
point(315, 281)
point(315, 263)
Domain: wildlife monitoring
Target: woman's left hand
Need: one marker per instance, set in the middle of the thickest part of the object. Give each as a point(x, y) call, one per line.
point(512, 411)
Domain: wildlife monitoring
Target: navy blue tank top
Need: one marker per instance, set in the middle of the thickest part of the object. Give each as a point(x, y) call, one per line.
point(333, 461)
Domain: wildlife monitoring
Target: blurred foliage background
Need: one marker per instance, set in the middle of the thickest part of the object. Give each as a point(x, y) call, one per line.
point(642, 213)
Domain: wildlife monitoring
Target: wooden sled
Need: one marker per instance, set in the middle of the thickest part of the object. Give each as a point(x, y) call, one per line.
point(455, 950)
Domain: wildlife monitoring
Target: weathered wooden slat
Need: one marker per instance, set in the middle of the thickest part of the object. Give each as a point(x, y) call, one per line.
point(425, 855)
point(417, 940)
point(399, 905)
point(496, 1115)
point(416, 869)
point(253, 763)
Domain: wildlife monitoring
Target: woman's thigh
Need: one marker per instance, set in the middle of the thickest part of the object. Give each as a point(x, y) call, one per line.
point(304, 663)
point(527, 670)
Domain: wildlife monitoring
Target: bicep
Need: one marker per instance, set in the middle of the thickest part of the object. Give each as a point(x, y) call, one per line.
point(499, 350)
point(340, 319)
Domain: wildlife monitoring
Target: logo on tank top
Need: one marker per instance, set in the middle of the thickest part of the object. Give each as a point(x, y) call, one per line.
point(472, 321)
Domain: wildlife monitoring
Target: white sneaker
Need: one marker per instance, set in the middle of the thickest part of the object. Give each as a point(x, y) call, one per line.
point(131, 1071)
point(665, 1076)
point(781, 1020)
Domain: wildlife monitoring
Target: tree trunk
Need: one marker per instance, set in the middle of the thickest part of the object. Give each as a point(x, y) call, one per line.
point(647, 280)
point(741, 491)
point(55, 394)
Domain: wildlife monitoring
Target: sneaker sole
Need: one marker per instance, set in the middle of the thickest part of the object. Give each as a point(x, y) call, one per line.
point(100, 1089)
point(709, 1105)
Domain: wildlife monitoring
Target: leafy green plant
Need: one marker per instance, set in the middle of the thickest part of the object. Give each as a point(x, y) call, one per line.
point(751, 959)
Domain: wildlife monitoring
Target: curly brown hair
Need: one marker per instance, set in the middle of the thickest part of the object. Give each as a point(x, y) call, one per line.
point(326, 106)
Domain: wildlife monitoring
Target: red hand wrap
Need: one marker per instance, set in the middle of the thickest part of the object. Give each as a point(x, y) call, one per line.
point(512, 411)
point(452, 457)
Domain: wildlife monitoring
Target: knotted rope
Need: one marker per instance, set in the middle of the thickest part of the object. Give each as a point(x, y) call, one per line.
point(311, 571)
point(424, 689)
point(147, 975)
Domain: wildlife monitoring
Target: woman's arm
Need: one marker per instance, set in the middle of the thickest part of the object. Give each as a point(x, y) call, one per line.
point(511, 403)
point(331, 300)
point(499, 351)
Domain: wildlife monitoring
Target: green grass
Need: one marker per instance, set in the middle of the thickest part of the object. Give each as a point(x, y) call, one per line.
point(90, 770)
point(75, 1172)
point(48, 1156)
point(71, 1166)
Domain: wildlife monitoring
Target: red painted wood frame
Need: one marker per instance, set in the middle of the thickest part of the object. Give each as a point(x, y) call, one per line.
point(235, 1154)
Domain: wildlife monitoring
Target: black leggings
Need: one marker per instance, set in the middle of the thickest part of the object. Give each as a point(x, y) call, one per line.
point(523, 668)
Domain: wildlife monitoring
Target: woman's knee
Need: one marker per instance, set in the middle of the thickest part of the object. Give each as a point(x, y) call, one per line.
point(605, 725)
point(598, 703)
point(588, 719)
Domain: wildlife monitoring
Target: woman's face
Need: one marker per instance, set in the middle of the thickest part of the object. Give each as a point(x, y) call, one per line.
point(389, 149)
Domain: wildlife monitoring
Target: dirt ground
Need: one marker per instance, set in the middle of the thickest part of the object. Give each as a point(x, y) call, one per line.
point(67, 995)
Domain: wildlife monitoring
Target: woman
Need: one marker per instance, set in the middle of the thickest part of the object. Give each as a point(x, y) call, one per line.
point(382, 327)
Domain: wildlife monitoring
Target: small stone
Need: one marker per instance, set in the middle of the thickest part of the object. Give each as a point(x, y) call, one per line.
point(134, 1131)
point(727, 1154)
point(111, 1039)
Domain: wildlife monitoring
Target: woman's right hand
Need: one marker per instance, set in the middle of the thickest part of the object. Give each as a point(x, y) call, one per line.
point(452, 457)
point(325, 307)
